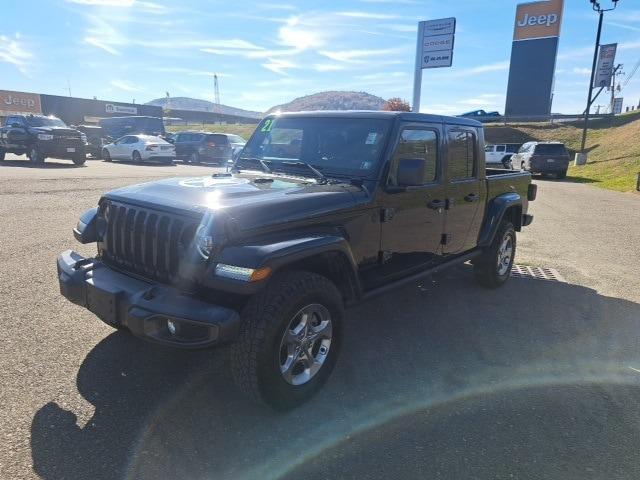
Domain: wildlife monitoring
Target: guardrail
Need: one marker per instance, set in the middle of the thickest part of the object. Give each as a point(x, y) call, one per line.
point(559, 118)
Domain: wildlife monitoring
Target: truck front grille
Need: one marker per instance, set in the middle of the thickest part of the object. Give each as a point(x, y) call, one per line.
point(146, 242)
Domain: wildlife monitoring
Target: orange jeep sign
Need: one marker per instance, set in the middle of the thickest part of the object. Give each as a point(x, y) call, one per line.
point(538, 20)
point(19, 102)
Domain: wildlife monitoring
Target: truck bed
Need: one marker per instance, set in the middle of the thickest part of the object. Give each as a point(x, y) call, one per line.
point(503, 181)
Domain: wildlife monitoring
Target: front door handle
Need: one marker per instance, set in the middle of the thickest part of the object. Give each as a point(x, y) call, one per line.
point(472, 197)
point(436, 204)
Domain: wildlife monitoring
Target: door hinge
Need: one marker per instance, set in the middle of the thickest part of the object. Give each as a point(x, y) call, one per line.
point(387, 214)
point(445, 239)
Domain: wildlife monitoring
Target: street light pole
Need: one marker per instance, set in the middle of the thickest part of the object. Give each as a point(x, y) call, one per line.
point(596, 7)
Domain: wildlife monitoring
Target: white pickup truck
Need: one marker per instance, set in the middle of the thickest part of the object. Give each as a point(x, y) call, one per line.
point(499, 156)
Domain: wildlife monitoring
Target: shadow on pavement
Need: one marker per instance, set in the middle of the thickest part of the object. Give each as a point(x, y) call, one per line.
point(437, 380)
point(49, 163)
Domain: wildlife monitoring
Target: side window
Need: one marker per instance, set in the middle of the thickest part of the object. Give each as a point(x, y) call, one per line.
point(421, 144)
point(12, 120)
point(501, 148)
point(462, 155)
point(488, 148)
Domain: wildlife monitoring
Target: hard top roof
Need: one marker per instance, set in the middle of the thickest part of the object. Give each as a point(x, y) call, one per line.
point(405, 116)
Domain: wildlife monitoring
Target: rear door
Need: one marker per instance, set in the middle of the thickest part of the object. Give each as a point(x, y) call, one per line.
point(180, 144)
point(413, 217)
point(464, 190)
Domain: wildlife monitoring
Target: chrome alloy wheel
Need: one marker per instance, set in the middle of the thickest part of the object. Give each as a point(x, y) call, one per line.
point(305, 344)
point(505, 254)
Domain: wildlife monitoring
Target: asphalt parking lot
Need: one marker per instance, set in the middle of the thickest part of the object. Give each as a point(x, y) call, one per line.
point(440, 379)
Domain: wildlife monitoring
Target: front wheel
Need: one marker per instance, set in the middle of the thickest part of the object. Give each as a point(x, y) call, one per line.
point(36, 156)
point(136, 157)
point(493, 267)
point(106, 156)
point(289, 339)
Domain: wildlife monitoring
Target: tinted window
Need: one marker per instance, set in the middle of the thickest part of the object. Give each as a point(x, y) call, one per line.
point(550, 149)
point(196, 137)
point(512, 148)
point(218, 139)
point(462, 158)
point(419, 144)
point(12, 120)
point(500, 148)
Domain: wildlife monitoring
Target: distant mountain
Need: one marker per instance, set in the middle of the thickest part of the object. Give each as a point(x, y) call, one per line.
point(333, 100)
point(194, 104)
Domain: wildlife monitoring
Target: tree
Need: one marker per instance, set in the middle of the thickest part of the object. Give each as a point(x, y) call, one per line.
point(396, 104)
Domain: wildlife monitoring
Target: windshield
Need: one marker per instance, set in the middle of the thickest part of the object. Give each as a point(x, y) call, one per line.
point(45, 122)
point(335, 146)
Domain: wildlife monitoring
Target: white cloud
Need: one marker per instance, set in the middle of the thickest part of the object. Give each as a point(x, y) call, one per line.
point(104, 46)
point(327, 67)
point(367, 15)
point(140, 5)
point(126, 86)
point(624, 25)
point(279, 65)
point(12, 51)
point(298, 34)
point(359, 56)
point(580, 71)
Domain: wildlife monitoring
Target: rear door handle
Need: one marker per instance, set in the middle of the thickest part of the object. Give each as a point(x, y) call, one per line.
point(436, 204)
point(472, 197)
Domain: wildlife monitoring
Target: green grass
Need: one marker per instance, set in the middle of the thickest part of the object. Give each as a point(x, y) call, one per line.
point(244, 130)
point(613, 145)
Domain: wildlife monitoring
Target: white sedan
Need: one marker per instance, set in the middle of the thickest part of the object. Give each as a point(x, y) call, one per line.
point(138, 149)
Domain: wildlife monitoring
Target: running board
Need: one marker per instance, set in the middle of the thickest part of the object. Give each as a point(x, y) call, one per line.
point(411, 278)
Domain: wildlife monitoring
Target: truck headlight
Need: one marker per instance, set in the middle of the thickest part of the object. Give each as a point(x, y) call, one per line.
point(45, 136)
point(204, 242)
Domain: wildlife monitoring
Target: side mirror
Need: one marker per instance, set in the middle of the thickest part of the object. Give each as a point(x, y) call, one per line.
point(411, 172)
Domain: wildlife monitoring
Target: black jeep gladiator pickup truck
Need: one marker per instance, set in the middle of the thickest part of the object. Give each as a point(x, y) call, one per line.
point(40, 137)
point(321, 210)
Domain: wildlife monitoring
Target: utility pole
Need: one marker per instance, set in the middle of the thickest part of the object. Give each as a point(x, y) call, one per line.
point(595, 5)
point(616, 73)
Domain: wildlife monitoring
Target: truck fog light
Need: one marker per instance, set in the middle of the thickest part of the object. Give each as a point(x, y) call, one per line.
point(242, 273)
point(171, 326)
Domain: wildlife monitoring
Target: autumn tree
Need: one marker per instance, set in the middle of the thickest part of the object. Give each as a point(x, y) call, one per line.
point(396, 104)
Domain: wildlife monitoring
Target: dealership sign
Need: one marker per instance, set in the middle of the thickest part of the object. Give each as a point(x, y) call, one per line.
point(19, 102)
point(111, 108)
point(604, 70)
point(538, 20)
point(437, 42)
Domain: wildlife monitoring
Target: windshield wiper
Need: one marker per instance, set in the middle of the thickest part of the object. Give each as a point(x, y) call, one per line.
point(321, 176)
point(259, 161)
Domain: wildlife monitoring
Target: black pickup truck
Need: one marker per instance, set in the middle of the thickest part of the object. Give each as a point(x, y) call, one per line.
point(322, 210)
point(40, 137)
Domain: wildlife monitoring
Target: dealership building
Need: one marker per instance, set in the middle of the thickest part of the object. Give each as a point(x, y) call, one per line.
point(75, 111)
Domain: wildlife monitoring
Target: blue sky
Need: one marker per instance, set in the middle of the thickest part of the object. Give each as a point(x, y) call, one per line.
point(267, 53)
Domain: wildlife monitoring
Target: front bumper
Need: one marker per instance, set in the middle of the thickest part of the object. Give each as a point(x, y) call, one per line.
point(146, 309)
point(61, 149)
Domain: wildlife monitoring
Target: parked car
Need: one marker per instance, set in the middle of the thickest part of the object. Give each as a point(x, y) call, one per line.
point(323, 210)
point(95, 139)
point(116, 127)
point(499, 156)
point(480, 113)
point(542, 157)
point(138, 149)
point(39, 137)
point(197, 147)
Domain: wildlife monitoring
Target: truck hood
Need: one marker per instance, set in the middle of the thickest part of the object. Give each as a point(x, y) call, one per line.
point(57, 131)
point(251, 202)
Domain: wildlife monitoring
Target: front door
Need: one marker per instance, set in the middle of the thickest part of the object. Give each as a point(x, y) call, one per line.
point(413, 217)
point(464, 192)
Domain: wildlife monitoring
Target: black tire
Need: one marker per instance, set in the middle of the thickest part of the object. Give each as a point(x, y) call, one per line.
point(136, 157)
point(486, 269)
point(506, 162)
point(561, 175)
point(256, 357)
point(194, 157)
point(106, 156)
point(1, 155)
point(79, 160)
point(35, 156)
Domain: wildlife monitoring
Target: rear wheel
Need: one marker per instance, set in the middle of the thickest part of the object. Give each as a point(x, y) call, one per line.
point(79, 160)
point(136, 157)
point(493, 267)
point(289, 339)
point(36, 156)
point(106, 156)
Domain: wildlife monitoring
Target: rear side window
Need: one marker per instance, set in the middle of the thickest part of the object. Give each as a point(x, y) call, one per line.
point(500, 148)
point(462, 156)
point(217, 139)
point(550, 149)
point(421, 144)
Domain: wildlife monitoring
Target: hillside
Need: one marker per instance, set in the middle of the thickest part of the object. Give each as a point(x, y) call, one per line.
point(333, 100)
point(613, 144)
point(186, 103)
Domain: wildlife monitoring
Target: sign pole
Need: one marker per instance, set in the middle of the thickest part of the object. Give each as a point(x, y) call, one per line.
point(593, 75)
point(417, 74)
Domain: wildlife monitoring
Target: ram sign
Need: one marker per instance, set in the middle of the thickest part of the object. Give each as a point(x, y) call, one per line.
point(534, 49)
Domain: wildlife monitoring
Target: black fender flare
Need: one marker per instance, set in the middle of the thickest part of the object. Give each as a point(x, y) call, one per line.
point(496, 210)
point(277, 255)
